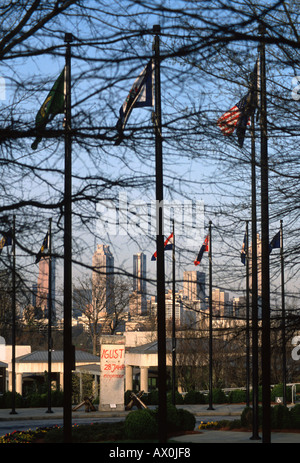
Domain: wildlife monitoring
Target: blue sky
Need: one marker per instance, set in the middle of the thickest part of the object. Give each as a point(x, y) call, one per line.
point(184, 89)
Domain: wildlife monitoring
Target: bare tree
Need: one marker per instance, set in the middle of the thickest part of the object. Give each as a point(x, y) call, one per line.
point(208, 50)
point(95, 315)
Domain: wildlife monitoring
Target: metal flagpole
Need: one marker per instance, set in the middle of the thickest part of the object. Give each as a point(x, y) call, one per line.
point(13, 342)
point(247, 316)
point(68, 348)
point(160, 268)
point(283, 315)
point(210, 407)
point(49, 316)
point(266, 354)
point(173, 322)
point(254, 294)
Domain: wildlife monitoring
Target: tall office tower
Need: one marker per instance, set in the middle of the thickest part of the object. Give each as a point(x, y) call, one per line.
point(220, 303)
point(138, 299)
point(34, 293)
point(259, 251)
point(42, 290)
point(139, 272)
point(194, 285)
point(103, 279)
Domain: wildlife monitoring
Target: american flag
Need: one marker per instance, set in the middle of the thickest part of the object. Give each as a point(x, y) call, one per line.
point(229, 120)
point(239, 115)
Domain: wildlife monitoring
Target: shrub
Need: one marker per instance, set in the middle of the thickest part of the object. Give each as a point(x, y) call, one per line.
point(295, 416)
point(234, 424)
point(237, 396)
point(57, 398)
point(172, 418)
point(219, 396)
point(277, 391)
point(247, 417)
point(140, 424)
point(153, 397)
point(187, 420)
point(36, 400)
point(7, 399)
point(280, 417)
point(178, 398)
point(194, 397)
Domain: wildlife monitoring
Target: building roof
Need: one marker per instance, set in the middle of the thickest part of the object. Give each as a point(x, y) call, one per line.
point(149, 348)
point(56, 356)
point(181, 345)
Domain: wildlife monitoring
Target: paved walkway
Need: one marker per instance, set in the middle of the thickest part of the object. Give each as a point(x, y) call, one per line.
point(41, 413)
point(236, 437)
point(200, 411)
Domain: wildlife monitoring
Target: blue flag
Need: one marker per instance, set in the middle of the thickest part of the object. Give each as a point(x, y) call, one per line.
point(275, 243)
point(140, 95)
point(243, 251)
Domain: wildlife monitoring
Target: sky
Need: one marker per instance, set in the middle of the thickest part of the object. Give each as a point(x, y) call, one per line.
point(186, 175)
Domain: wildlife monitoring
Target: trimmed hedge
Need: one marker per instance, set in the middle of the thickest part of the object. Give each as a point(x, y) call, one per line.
point(295, 416)
point(237, 396)
point(194, 397)
point(277, 391)
point(282, 417)
point(32, 400)
point(187, 420)
point(141, 424)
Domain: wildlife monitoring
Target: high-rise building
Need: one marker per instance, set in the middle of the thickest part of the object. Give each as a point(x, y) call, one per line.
point(103, 279)
point(42, 288)
point(185, 312)
point(220, 303)
point(139, 272)
point(138, 299)
point(194, 285)
point(259, 260)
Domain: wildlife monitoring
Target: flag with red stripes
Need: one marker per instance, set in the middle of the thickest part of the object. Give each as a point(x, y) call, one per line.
point(238, 117)
point(204, 248)
point(168, 245)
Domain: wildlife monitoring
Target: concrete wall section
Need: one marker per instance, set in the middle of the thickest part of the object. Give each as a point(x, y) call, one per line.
point(112, 372)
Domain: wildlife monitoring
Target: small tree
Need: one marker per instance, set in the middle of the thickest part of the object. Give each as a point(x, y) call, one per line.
point(94, 315)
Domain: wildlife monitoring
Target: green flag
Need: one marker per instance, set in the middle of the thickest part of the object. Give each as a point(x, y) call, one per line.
point(53, 105)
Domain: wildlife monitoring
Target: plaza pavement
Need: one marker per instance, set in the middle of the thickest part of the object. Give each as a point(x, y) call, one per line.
point(201, 413)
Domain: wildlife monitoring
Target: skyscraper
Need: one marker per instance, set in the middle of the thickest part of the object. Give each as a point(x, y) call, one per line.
point(259, 254)
point(220, 303)
point(194, 285)
point(138, 299)
point(103, 279)
point(139, 272)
